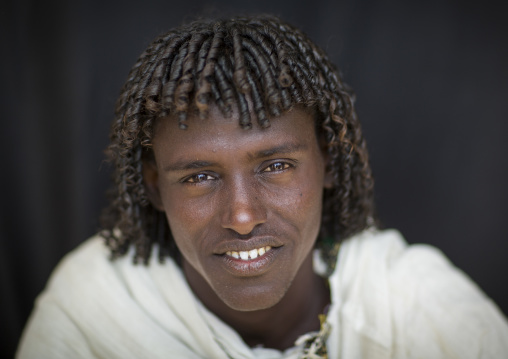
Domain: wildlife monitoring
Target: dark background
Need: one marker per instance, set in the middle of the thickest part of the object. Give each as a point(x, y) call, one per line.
point(432, 85)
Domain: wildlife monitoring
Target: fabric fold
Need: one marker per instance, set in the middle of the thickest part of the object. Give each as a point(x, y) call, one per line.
point(388, 300)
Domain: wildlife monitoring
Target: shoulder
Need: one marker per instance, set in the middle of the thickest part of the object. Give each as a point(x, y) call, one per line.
point(416, 294)
point(82, 262)
point(84, 271)
point(90, 303)
point(52, 330)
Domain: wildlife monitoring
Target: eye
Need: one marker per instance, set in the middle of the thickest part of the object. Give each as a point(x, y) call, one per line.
point(198, 178)
point(277, 167)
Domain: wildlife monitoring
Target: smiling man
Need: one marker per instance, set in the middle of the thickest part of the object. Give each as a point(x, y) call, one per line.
point(244, 208)
point(241, 167)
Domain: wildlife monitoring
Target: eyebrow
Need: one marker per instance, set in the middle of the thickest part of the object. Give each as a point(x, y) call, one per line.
point(186, 165)
point(282, 149)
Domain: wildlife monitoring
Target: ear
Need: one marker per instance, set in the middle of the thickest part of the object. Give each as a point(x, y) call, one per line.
point(151, 181)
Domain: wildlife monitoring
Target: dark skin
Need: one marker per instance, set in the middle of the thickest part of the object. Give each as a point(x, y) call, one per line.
point(226, 190)
point(278, 326)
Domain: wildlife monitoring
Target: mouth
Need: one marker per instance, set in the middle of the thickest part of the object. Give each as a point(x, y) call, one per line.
point(249, 255)
point(250, 263)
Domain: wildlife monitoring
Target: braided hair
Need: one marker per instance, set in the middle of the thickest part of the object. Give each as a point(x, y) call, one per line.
point(259, 66)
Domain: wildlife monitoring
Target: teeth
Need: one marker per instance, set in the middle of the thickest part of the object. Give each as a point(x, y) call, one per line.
point(246, 255)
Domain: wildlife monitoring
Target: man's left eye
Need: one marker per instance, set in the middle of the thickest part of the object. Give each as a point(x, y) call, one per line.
point(198, 178)
point(277, 166)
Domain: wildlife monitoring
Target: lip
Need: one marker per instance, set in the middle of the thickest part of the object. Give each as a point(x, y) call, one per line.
point(246, 244)
point(251, 267)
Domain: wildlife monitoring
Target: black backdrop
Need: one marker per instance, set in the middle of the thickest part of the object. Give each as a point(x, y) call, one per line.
point(432, 85)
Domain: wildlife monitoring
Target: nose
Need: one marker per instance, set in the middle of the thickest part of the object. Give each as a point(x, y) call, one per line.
point(243, 209)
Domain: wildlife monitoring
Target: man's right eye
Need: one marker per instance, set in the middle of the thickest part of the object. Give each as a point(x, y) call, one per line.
point(198, 178)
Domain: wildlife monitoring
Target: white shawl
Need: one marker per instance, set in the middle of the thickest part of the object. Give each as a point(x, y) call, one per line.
point(388, 301)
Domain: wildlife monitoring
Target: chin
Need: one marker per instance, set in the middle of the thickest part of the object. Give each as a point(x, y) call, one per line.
point(253, 299)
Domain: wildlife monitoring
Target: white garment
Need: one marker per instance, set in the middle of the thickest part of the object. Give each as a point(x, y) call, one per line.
point(389, 300)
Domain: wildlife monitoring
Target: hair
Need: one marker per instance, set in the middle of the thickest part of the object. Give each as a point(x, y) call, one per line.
point(259, 66)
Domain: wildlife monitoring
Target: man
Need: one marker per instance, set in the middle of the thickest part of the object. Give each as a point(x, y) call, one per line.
point(241, 165)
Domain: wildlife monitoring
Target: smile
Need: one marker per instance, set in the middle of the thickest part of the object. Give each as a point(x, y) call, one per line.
point(247, 255)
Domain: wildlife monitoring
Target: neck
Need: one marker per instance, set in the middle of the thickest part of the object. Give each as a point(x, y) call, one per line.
point(279, 326)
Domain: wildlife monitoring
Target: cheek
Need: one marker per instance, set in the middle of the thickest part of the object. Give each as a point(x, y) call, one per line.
point(189, 221)
point(311, 206)
point(301, 203)
point(311, 190)
point(311, 203)
point(183, 209)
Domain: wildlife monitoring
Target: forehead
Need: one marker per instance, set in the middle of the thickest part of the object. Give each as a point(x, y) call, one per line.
point(217, 132)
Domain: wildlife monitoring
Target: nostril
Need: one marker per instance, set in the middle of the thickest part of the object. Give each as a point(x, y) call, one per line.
point(243, 236)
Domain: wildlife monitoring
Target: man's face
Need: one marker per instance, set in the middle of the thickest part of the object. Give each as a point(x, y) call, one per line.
point(244, 206)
